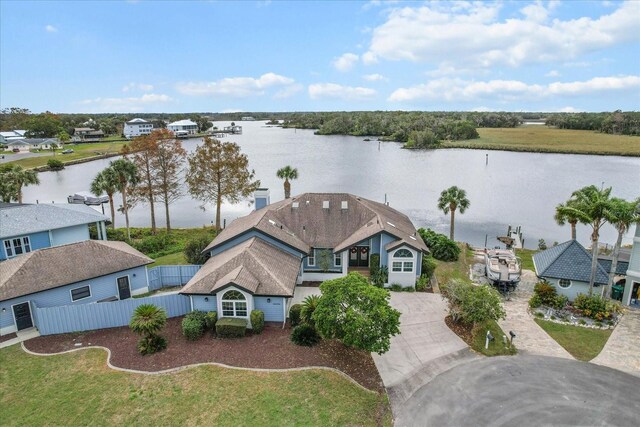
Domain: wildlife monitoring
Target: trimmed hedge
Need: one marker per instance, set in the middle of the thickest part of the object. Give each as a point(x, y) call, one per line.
point(295, 314)
point(305, 334)
point(231, 327)
point(257, 321)
point(192, 328)
point(210, 320)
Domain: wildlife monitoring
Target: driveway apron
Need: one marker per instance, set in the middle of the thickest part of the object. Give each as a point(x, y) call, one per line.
point(622, 351)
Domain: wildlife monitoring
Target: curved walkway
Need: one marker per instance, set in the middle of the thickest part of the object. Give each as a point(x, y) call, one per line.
point(622, 351)
point(530, 338)
point(524, 391)
point(181, 368)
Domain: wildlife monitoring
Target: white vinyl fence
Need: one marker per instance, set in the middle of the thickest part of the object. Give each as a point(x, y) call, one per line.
point(86, 317)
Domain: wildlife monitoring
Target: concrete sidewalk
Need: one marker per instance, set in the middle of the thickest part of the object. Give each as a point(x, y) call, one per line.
point(622, 351)
point(27, 334)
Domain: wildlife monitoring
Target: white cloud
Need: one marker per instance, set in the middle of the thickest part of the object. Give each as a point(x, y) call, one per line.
point(472, 34)
point(288, 91)
point(235, 86)
point(334, 90)
point(345, 62)
point(146, 102)
point(50, 29)
point(450, 90)
point(369, 58)
point(552, 73)
point(137, 86)
point(374, 77)
point(568, 109)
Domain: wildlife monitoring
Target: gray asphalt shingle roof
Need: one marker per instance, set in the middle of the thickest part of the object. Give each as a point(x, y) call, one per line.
point(568, 260)
point(26, 219)
point(57, 266)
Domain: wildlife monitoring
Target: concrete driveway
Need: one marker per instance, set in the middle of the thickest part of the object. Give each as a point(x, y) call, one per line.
point(524, 391)
point(18, 156)
point(622, 351)
point(424, 348)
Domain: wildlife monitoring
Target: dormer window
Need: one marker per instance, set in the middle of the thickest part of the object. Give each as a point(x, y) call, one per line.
point(17, 246)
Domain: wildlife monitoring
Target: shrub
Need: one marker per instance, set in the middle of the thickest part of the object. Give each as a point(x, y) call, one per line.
point(153, 243)
point(199, 315)
point(119, 234)
point(535, 301)
point(231, 327)
point(596, 307)
point(582, 322)
point(380, 276)
point(55, 164)
point(473, 304)
point(428, 266)
point(295, 314)
point(409, 289)
point(546, 292)
point(442, 248)
point(193, 250)
point(305, 334)
point(152, 344)
point(396, 287)
point(422, 284)
point(192, 328)
point(559, 302)
point(257, 321)
point(309, 306)
point(210, 320)
point(542, 245)
point(539, 315)
point(324, 259)
point(374, 264)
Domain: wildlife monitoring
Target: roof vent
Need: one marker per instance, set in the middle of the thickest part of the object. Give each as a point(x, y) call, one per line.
point(393, 225)
point(411, 237)
point(272, 222)
point(325, 204)
point(307, 202)
point(345, 204)
point(295, 204)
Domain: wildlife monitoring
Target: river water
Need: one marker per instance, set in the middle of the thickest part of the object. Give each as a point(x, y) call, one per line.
point(513, 188)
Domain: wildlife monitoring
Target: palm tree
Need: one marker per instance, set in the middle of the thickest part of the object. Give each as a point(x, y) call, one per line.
point(450, 200)
point(287, 173)
point(126, 175)
point(562, 217)
point(621, 214)
point(106, 183)
point(148, 320)
point(21, 177)
point(589, 205)
point(309, 306)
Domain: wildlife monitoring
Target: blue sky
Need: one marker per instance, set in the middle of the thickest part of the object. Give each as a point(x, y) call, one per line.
point(145, 56)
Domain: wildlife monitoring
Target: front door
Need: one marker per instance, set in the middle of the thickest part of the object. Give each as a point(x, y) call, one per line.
point(124, 291)
point(22, 313)
point(359, 256)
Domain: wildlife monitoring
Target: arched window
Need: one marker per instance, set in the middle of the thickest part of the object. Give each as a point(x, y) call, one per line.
point(403, 253)
point(402, 265)
point(564, 283)
point(234, 304)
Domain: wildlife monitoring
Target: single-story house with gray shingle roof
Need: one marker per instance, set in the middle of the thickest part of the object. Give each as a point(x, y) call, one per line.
point(28, 144)
point(27, 227)
point(567, 266)
point(76, 273)
point(258, 261)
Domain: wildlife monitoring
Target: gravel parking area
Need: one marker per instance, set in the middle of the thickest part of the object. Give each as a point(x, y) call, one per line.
point(270, 350)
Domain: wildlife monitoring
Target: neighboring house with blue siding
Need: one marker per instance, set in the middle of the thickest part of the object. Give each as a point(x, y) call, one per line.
point(85, 272)
point(567, 267)
point(258, 260)
point(27, 227)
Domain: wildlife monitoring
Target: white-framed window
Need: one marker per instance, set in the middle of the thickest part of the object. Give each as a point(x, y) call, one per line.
point(80, 293)
point(401, 263)
point(17, 246)
point(311, 260)
point(564, 283)
point(337, 260)
point(234, 304)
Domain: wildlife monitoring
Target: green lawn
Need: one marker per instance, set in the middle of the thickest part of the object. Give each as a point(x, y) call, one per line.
point(582, 343)
point(79, 389)
point(446, 271)
point(526, 255)
point(81, 151)
point(171, 259)
point(496, 347)
point(544, 139)
point(166, 248)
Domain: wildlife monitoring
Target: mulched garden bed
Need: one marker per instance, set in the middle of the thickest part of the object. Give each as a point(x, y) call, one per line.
point(462, 330)
point(7, 337)
point(270, 350)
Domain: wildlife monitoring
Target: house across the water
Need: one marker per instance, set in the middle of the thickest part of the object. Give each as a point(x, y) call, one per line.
point(137, 127)
point(183, 127)
point(260, 260)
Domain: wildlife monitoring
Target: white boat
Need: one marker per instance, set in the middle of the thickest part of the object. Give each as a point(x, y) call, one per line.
point(503, 267)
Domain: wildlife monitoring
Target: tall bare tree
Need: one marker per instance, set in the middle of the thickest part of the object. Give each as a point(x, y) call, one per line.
point(143, 150)
point(220, 172)
point(167, 164)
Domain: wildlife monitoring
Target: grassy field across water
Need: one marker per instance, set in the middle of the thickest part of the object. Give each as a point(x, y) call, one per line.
point(80, 151)
point(551, 140)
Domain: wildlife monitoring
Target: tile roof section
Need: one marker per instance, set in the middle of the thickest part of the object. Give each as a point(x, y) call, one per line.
point(25, 219)
point(254, 265)
point(309, 224)
point(57, 266)
point(568, 260)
